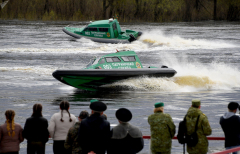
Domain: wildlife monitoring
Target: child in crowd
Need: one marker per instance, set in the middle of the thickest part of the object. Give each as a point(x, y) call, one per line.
point(10, 134)
point(58, 127)
point(36, 132)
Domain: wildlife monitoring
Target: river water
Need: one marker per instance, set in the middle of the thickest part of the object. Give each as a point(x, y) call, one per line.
point(206, 56)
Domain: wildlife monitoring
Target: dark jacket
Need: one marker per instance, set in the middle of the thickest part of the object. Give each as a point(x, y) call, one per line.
point(230, 124)
point(94, 133)
point(35, 129)
point(125, 139)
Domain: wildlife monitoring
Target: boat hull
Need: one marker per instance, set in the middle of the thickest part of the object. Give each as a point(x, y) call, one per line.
point(100, 40)
point(92, 79)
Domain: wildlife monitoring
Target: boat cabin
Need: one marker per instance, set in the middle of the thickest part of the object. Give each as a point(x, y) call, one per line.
point(102, 29)
point(119, 60)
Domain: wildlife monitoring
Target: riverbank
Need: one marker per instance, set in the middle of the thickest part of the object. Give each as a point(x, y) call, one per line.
point(125, 11)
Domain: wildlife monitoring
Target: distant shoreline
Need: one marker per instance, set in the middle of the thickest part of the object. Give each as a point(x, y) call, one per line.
point(125, 11)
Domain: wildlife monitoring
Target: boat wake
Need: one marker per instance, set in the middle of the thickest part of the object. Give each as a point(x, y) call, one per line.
point(149, 41)
point(157, 38)
point(190, 77)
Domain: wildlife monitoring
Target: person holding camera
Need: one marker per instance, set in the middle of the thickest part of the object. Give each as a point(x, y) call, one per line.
point(230, 124)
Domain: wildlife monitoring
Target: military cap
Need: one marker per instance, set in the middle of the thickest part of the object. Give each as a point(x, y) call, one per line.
point(123, 115)
point(98, 106)
point(196, 102)
point(93, 100)
point(159, 104)
point(233, 106)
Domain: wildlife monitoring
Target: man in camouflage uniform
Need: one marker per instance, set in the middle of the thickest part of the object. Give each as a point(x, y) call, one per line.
point(71, 143)
point(203, 128)
point(162, 130)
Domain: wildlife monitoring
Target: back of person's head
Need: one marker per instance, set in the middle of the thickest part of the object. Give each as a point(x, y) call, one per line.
point(64, 105)
point(10, 114)
point(83, 114)
point(233, 106)
point(37, 110)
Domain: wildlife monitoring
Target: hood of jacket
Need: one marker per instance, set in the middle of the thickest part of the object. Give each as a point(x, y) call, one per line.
point(123, 129)
point(228, 115)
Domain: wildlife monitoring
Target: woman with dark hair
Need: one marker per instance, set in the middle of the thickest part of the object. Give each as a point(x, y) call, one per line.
point(10, 134)
point(36, 132)
point(58, 128)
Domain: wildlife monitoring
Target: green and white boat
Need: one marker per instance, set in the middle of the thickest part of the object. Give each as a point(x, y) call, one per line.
point(109, 69)
point(104, 31)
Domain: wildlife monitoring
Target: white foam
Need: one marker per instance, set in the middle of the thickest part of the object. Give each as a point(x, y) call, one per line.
point(171, 107)
point(30, 69)
point(177, 119)
point(190, 77)
point(66, 88)
point(160, 41)
point(113, 125)
point(20, 105)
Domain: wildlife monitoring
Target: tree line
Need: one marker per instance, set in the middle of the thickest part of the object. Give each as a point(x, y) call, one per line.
point(124, 10)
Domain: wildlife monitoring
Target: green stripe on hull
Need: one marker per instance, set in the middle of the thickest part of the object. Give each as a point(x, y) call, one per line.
point(87, 83)
point(76, 81)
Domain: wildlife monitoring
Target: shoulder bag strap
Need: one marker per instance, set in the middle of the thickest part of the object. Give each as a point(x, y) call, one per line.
point(169, 131)
point(185, 121)
point(196, 124)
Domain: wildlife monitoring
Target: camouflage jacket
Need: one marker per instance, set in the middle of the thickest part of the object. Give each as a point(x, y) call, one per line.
point(162, 132)
point(71, 143)
point(203, 130)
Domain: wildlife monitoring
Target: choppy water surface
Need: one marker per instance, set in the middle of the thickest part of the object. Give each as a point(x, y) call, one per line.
point(206, 56)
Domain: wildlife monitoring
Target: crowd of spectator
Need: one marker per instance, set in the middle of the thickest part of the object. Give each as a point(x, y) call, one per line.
point(91, 133)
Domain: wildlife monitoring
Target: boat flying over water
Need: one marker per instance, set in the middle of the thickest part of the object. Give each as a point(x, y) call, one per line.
point(108, 69)
point(104, 31)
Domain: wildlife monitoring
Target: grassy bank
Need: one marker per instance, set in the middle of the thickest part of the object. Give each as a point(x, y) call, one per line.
point(126, 10)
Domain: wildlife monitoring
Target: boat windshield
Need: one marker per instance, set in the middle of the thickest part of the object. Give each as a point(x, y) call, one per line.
point(93, 61)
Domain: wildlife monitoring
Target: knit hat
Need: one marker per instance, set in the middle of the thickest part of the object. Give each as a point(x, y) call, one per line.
point(123, 115)
point(159, 104)
point(98, 106)
point(233, 106)
point(196, 102)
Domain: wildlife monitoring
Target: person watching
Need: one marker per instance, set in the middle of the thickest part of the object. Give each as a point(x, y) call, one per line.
point(94, 131)
point(203, 128)
point(125, 138)
point(58, 127)
point(10, 134)
point(71, 143)
point(162, 130)
point(230, 124)
point(36, 132)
